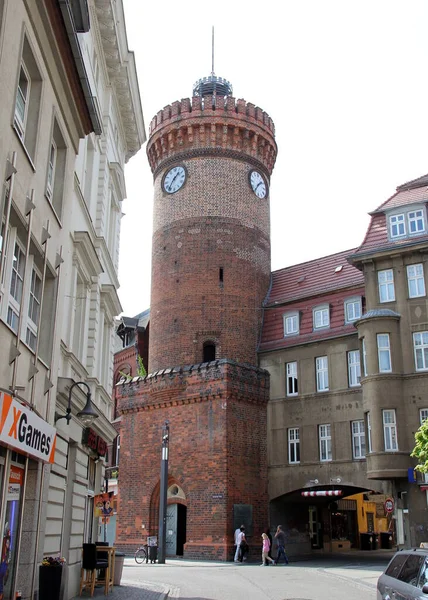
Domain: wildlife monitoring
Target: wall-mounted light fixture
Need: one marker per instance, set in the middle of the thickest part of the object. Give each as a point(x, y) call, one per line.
point(87, 415)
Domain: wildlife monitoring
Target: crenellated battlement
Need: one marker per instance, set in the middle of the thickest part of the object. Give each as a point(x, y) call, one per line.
point(212, 122)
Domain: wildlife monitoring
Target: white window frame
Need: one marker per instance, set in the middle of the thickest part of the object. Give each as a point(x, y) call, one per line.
point(50, 181)
point(369, 433)
point(324, 434)
point(20, 122)
point(321, 317)
point(321, 366)
point(416, 280)
point(420, 347)
point(291, 323)
point(390, 430)
point(32, 327)
point(294, 445)
point(291, 375)
point(386, 285)
point(423, 415)
point(15, 304)
point(358, 440)
point(353, 309)
point(414, 217)
point(384, 351)
point(354, 368)
point(397, 222)
point(364, 349)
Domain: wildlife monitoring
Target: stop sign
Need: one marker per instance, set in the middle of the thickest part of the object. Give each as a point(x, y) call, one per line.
point(389, 505)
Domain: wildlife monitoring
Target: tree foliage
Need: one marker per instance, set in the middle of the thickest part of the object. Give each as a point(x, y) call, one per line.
point(420, 451)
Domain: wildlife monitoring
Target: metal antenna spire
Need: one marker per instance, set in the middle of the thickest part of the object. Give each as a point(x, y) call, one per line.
point(212, 68)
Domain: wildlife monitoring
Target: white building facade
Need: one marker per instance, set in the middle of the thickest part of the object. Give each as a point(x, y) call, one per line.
point(70, 118)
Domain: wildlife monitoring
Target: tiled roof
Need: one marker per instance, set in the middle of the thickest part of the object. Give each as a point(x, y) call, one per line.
point(314, 277)
point(375, 313)
point(376, 238)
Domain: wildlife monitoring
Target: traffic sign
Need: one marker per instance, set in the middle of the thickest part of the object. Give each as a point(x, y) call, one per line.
point(389, 505)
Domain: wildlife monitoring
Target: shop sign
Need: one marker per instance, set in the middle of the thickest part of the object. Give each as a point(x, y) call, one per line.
point(94, 441)
point(24, 431)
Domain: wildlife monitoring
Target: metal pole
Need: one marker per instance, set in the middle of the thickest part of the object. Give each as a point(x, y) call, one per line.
point(163, 494)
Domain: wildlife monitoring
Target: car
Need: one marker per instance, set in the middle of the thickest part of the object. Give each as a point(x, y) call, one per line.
point(405, 577)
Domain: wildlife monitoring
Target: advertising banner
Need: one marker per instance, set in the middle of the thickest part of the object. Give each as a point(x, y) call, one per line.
point(24, 431)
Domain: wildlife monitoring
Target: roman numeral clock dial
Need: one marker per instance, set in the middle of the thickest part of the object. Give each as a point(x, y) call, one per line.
point(174, 179)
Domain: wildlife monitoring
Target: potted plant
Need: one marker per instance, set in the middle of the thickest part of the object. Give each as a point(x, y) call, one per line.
point(50, 576)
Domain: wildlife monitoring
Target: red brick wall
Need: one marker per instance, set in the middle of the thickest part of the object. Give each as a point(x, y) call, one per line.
point(217, 453)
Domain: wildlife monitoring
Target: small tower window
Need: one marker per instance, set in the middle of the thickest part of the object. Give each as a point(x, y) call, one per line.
point(209, 352)
point(220, 274)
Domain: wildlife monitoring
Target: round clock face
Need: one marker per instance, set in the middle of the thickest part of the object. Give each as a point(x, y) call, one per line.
point(258, 184)
point(174, 179)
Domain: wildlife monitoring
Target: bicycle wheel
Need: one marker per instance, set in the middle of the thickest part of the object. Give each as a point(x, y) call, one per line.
point(140, 556)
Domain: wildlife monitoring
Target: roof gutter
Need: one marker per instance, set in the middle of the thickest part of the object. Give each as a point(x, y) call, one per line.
point(66, 7)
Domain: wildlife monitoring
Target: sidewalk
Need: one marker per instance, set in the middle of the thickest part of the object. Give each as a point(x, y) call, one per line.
point(130, 590)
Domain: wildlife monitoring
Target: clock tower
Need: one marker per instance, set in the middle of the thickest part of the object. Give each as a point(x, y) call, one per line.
point(212, 157)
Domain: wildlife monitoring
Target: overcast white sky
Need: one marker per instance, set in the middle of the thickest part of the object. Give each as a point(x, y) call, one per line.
point(345, 83)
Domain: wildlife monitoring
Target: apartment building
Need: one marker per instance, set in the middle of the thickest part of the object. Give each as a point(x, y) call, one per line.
point(70, 118)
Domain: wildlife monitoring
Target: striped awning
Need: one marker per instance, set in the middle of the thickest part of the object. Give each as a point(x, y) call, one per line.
point(322, 493)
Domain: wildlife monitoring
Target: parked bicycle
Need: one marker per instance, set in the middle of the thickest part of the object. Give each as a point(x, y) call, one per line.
point(141, 555)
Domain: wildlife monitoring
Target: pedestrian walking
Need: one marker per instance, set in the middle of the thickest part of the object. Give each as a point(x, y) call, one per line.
point(236, 534)
point(268, 533)
point(280, 543)
point(265, 551)
point(242, 544)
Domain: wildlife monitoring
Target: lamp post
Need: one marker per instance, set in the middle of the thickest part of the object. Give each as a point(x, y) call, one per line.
point(163, 494)
point(87, 415)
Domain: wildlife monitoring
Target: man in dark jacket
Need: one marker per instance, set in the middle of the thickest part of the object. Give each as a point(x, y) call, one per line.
point(280, 542)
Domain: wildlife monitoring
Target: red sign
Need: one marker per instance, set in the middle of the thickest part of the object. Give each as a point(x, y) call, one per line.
point(94, 441)
point(389, 505)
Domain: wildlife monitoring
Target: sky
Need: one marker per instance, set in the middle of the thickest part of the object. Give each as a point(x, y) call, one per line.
point(345, 82)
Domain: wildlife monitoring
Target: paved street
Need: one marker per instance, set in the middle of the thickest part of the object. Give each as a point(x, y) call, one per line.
point(350, 576)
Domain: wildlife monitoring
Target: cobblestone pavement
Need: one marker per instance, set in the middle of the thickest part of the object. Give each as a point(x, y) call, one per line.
point(131, 590)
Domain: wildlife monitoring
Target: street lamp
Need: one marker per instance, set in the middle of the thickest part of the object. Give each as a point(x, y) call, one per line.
point(87, 415)
point(163, 494)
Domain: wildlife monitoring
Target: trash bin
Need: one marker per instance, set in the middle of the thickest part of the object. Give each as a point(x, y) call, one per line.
point(375, 540)
point(366, 541)
point(118, 567)
point(386, 540)
point(153, 553)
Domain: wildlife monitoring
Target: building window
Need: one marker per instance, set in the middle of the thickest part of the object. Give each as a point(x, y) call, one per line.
point(34, 309)
point(321, 317)
point(369, 433)
point(208, 352)
point(420, 344)
point(416, 221)
point(423, 414)
point(16, 287)
point(56, 169)
point(352, 309)
point(416, 280)
point(291, 324)
point(358, 439)
point(397, 226)
point(325, 442)
point(51, 170)
point(354, 369)
point(363, 344)
point(22, 101)
point(322, 373)
point(384, 353)
point(27, 103)
point(293, 445)
point(386, 285)
point(291, 375)
point(390, 430)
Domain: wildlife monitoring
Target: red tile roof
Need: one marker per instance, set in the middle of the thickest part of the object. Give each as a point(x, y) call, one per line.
point(314, 277)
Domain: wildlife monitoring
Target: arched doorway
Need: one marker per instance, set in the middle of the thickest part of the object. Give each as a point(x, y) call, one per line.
point(176, 517)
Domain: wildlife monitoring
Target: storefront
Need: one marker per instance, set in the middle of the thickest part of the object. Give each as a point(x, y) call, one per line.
point(25, 440)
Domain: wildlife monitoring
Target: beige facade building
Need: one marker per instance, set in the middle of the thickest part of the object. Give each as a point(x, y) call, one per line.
point(70, 118)
point(345, 340)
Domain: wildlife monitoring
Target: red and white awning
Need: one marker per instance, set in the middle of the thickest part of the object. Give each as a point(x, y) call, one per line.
point(323, 493)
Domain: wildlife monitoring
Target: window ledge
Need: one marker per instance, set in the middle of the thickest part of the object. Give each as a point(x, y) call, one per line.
point(27, 154)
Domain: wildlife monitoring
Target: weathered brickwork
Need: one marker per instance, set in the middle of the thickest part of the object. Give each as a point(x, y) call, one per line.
point(217, 415)
point(210, 276)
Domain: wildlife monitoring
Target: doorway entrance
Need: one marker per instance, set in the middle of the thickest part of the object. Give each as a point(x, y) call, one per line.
point(176, 515)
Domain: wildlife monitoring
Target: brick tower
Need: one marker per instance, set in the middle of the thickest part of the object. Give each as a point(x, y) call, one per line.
point(211, 158)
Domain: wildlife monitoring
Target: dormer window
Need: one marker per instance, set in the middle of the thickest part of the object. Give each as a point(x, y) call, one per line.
point(352, 309)
point(416, 221)
point(397, 225)
point(291, 323)
point(321, 317)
